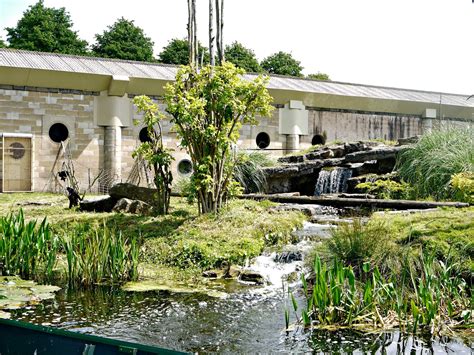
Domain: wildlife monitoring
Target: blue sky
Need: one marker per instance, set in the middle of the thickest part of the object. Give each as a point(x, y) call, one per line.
point(416, 44)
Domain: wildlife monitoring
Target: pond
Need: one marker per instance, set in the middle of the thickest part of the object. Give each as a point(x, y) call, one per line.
point(244, 322)
point(249, 319)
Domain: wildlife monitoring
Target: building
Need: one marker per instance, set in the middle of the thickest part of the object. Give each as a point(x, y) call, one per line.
point(59, 109)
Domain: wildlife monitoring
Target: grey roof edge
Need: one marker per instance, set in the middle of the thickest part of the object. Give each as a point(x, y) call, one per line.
point(157, 64)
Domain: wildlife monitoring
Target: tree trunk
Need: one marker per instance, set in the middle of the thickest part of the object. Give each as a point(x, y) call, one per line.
point(211, 33)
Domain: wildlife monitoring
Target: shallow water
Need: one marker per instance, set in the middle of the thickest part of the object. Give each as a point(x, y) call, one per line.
point(244, 322)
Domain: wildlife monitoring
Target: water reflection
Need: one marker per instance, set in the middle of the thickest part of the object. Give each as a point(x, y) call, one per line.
point(245, 322)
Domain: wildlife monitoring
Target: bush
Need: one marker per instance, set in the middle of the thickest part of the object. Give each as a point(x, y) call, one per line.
point(430, 165)
point(386, 189)
point(463, 186)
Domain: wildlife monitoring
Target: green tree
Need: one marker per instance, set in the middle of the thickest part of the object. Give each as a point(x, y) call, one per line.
point(177, 52)
point(45, 29)
point(124, 40)
point(2, 44)
point(242, 57)
point(154, 152)
point(319, 76)
point(282, 63)
point(209, 107)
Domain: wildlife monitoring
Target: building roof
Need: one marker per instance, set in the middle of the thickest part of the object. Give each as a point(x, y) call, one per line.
point(141, 72)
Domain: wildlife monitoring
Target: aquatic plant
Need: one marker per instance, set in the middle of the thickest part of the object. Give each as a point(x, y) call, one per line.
point(430, 165)
point(463, 186)
point(100, 255)
point(436, 299)
point(26, 248)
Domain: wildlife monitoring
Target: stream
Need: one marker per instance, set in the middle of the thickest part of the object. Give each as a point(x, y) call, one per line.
point(250, 319)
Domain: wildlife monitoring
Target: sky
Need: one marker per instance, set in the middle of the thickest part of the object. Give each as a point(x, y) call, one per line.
point(413, 44)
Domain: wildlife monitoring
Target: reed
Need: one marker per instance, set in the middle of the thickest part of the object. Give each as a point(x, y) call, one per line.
point(437, 300)
point(100, 256)
point(27, 249)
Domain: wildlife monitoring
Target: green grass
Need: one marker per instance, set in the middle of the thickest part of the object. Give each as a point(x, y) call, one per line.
point(183, 242)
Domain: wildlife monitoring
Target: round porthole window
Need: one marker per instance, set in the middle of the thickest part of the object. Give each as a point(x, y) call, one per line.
point(185, 167)
point(318, 139)
point(17, 150)
point(143, 136)
point(262, 140)
point(58, 132)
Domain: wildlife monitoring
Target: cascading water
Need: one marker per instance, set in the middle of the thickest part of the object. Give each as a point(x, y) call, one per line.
point(332, 181)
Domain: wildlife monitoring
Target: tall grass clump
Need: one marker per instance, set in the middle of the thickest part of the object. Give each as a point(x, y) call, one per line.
point(248, 170)
point(27, 249)
point(435, 159)
point(100, 256)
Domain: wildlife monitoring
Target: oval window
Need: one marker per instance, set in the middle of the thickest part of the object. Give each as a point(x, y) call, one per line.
point(318, 140)
point(58, 132)
point(262, 140)
point(185, 167)
point(143, 136)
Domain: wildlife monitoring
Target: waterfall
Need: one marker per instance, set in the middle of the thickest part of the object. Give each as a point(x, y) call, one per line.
point(332, 181)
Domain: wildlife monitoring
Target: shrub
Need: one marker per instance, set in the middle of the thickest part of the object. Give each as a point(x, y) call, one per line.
point(431, 163)
point(386, 189)
point(463, 186)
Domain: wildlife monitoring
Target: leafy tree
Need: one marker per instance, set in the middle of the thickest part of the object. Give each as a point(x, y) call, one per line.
point(319, 76)
point(242, 57)
point(124, 40)
point(282, 63)
point(2, 44)
point(177, 52)
point(45, 29)
point(209, 107)
point(154, 152)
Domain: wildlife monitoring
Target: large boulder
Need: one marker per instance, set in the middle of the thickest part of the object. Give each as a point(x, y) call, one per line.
point(132, 206)
point(98, 204)
point(133, 192)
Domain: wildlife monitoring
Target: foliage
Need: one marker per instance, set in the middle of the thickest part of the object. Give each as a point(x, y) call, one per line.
point(47, 30)
point(239, 232)
point(242, 57)
point(26, 249)
point(2, 44)
point(248, 170)
point(463, 186)
point(386, 189)
point(282, 63)
point(319, 76)
point(124, 40)
point(154, 152)
point(432, 300)
point(208, 109)
point(99, 255)
point(432, 162)
point(177, 52)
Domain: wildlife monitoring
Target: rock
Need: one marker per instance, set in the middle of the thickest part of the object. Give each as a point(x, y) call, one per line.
point(132, 206)
point(291, 159)
point(288, 256)
point(409, 140)
point(98, 204)
point(212, 274)
point(252, 276)
point(287, 194)
point(309, 210)
point(373, 154)
point(133, 192)
point(346, 195)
